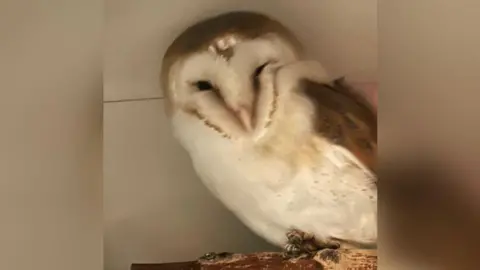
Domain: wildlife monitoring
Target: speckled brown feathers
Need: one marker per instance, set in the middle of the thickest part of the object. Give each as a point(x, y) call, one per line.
point(345, 117)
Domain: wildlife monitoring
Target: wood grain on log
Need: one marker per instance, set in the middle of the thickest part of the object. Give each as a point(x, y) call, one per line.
point(324, 260)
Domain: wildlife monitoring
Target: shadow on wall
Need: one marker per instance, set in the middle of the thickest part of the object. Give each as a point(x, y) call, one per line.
point(425, 215)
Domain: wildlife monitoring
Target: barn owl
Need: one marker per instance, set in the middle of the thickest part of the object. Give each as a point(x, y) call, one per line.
point(288, 149)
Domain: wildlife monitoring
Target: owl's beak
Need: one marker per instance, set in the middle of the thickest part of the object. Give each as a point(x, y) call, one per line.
point(245, 117)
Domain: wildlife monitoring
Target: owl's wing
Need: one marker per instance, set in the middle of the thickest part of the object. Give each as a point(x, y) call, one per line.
point(345, 117)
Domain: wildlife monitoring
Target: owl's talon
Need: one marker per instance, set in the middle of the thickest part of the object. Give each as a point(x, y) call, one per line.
point(291, 248)
point(301, 244)
point(295, 237)
point(291, 251)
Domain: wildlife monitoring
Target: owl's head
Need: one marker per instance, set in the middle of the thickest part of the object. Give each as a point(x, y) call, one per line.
point(221, 71)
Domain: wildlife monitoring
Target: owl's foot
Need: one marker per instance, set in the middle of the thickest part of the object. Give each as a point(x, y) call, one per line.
point(305, 245)
point(211, 256)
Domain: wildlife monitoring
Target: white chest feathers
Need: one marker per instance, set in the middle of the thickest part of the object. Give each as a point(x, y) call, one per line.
point(332, 196)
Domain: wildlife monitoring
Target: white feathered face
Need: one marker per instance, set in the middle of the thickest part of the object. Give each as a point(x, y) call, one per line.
point(221, 72)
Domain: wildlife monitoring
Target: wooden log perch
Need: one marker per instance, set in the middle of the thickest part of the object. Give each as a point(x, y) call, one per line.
point(342, 259)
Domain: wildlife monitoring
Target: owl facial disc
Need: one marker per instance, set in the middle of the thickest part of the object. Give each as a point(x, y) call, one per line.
point(219, 71)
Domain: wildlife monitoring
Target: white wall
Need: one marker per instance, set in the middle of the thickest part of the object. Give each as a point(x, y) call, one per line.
point(50, 135)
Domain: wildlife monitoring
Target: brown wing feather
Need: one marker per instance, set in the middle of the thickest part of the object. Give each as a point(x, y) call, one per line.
point(345, 117)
